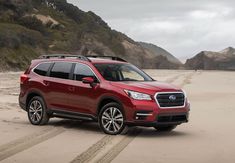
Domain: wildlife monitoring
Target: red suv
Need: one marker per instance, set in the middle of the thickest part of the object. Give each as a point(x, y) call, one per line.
point(104, 89)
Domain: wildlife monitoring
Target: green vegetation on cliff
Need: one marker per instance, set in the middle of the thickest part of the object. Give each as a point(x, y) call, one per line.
point(29, 28)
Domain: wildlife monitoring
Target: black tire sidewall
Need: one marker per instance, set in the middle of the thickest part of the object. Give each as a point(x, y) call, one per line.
point(43, 110)
point(119, 107)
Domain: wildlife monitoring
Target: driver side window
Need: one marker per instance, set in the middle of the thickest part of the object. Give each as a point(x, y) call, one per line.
point(81, 71)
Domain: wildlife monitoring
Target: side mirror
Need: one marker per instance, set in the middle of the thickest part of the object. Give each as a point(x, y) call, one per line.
point(88, 80)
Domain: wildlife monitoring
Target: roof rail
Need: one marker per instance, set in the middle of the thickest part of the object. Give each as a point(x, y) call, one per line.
point(111, 57)
point(61, 56)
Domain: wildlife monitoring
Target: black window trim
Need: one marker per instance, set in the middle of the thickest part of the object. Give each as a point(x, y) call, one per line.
point(49, 70)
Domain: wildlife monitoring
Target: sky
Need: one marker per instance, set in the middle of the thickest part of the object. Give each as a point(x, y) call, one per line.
point(182, 27)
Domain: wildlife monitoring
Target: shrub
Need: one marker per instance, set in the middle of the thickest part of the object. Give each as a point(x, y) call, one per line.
point(12, 36)
point(32, 22)
point(9, 40)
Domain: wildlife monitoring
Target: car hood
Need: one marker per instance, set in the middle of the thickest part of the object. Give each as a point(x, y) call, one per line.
point(150, 87)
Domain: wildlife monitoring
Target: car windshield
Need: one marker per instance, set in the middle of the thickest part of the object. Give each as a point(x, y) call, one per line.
point(121, 72)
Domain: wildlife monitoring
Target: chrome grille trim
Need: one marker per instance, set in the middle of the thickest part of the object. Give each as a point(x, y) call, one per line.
point(170, 107)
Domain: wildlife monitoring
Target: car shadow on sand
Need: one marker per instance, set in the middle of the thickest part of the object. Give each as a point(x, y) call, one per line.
point(90, 126)
point(76, 125)
point(153, 133)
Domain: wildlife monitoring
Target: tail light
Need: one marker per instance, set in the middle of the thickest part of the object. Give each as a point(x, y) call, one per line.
point(23, 78)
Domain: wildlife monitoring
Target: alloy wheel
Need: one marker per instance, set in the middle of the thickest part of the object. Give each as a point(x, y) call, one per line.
point(112, 119)
point(35, 111)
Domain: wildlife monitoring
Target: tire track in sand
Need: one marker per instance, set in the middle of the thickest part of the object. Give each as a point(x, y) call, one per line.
point(91, 152)
point(106, 148)
point(172, 79)
point(187, 79)
point(28, 141)
point(119, 147)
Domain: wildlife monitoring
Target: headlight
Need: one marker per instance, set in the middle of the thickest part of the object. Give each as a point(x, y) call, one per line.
point(137, 95)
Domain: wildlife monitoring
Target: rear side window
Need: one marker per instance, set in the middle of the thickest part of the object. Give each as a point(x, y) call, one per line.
point(42, 69)
point(82, 71)
point(61, 70)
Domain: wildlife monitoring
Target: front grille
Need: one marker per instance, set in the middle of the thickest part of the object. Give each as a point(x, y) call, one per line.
point(170, 99)
point(173, 118)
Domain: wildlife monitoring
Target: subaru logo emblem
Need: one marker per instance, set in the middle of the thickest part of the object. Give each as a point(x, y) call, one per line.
point(172, 97)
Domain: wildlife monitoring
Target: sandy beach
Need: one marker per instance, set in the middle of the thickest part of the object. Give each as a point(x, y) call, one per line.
point(208, 137)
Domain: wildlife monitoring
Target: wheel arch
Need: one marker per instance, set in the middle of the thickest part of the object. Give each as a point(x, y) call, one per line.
point(108, 99)
point(32, 94)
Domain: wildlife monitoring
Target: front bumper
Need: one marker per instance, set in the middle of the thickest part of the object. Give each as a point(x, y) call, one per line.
point(148, 113)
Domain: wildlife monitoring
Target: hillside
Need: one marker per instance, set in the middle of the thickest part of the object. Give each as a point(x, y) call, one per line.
point(208, 60)
point(30, 28)
point(158, 51)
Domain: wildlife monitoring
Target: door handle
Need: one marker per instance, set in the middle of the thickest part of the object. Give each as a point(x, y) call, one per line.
point(47, 83)
point(72, 89)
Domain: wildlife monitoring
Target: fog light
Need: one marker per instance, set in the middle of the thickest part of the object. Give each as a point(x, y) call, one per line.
point(142, 115)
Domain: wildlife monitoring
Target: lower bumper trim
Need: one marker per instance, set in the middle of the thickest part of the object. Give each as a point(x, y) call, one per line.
point(152, 124)
point(162, 120)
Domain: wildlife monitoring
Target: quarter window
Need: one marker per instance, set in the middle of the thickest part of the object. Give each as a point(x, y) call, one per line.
point(61, 70)
point(82, 71)
point(42, 69)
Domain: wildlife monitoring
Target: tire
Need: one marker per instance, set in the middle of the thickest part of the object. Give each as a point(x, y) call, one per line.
point(111, 119)
point(36, 109)
point(165, 128)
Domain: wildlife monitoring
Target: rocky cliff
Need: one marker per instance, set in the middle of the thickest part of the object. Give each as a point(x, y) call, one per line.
point(165, 59)
point(208, 60)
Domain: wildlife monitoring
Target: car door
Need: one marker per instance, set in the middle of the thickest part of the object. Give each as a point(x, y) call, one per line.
point(58, 87)
point(83, 98)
